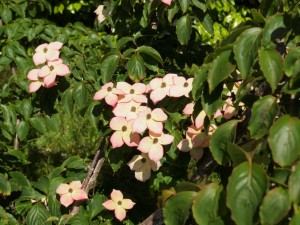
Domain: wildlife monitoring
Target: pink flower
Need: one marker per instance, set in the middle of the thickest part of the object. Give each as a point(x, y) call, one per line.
point(160, 87)
point(189, 109)
point(46, 52)
point(168, 2)
point(133, 92)
point(119, 204)
point(129, 110)
point(70, 192)
point(181, 87)
point(37, 82)
point(151, 119)
point(142, 166)
point(53, 69)
point(229, 110)
point(123, 133)
point(153, 145)
point(109, 93)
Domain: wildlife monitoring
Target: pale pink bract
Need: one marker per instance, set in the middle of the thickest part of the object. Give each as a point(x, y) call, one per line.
point(133, 92)
point(181, 87)
point(118, 204)
point(47, 52)
point(70, 193)
point(109, 93)
point(36, 81)
point(168, 2)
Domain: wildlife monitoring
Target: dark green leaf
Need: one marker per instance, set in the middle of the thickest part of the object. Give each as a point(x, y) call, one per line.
point(275, 206)
point(136, 68)
point(6, 14)
point(206, 204)
point(22, 130)
point(177, 208)
point(39, 124)
point(283, 140)
point(263, 114)
point(208, 24)
point(245, 190)
point(292, 63)
point(199, 80)
point(200, 4)
point(54, 206)
point(95, 205)
point(43, 184)
point(236, 153)
point(184, 29)
point(122, 42)
point(184, 4)
point(246, 50)
point(109, 66)
point(272, 66)
point(67, 101)
point(172, 12)
point(220, 139)
point(38, 214)
point(294, 185)
point(295, 219)
point(5, 187)
point(80, 95)
point(150, 52)
point(220, 69)
point(26, 108)
point(186, 186)
point(19, 179)
point(211, 101)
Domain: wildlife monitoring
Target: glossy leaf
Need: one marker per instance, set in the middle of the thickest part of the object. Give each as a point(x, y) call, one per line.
point(220, 139)
point(200, 4)
point(206, 205)
point(246, 50)
point(245, 190)
point(184, 29)
point(184, 5)
point(136, 68)
point(283, 140)
point(38, 214)
point(292, 63)
point(275, 206)
point(263, 114)
point(198, 82)
point(151, 52)
point(39, 124)
point(19, 179)
point(272, 66)
point(294, 185)
point(211, 102)
point(22, 130)
point(220, 69)
point(109, 66)
point(177, 208)
point(95, 206)
point(236, 153)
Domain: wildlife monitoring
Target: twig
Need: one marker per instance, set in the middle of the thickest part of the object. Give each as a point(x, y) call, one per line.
point(16, 141)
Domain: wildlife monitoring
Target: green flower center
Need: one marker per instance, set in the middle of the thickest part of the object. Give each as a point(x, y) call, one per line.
point(155, 140)
point(148, 117)
point(186, 84)
point(163, 84)
point(124, 128)
point(131, 91)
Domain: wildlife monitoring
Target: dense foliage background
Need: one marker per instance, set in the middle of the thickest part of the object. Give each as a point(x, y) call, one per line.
point(240, 54)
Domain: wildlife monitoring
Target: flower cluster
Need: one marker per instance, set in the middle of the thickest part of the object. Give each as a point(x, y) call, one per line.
point(47, 56)
point(70, 193)
point(134, 118)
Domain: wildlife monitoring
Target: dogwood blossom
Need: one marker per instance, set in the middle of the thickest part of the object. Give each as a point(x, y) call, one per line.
point(46, 52)
point(129, 110)
point(168, 2)
point(53, 69)
point(149, 119)
point(118, 203)
point(123, 133)
point(142, 166)
point(133, 92)
point(109, 93)
point(36, 81)
point(70, 193)
point(153, 145)
point(181, 87)
point(161, 87)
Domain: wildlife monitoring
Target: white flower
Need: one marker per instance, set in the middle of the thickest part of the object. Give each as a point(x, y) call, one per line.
point(103, 11)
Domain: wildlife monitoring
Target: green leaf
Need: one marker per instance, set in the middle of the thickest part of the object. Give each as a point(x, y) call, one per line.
point(208, 24)
point(200, 4)
point(95, 206)
point(294, 185)
point(172, 12)
point(283, 140)
point(275, 206)
point(38, 214)
point(211, 101)
point(5, 187)
point(26, 108)
point(184, 29)
point(6, 14)
point(80, 95)
point(295, 219)
point(43, 184)
point(186, 186)
point(39, 124)
point(221, 68)
point(68, 101)
point(272, 66)
point(245, 190)
point(177, 208)
point(220, 139)
point(292, 63)
point(199, 79)
point(54, 206)
point(275, 28)
point(122, 42)
point(79, 219)
point(19, 179)
point(74, 162)
point(236, 153)
point(246, 50)
point(263, 114)
point(22, 130)
point(184, 5)
point(150, 52)
point(136, 68)
point(109, 66)
point(206, 204)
